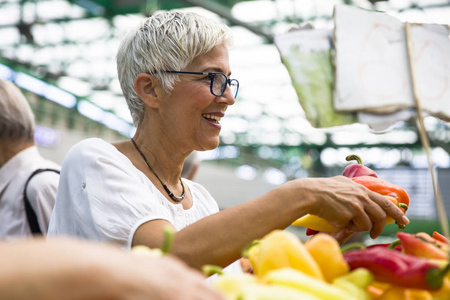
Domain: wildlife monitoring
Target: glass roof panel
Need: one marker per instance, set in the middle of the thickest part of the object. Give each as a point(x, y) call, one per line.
point(76, 46)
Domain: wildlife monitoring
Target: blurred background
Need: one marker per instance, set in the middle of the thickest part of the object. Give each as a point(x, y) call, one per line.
point(61, 53)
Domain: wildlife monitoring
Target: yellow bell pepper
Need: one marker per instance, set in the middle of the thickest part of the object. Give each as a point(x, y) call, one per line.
point(356, 283)
point(444, 292)
point(251, 252)
point(315, 223)
point(282, 249)
point(231, 285)
point(326, 251)
point(273, 292)
point(361, 277)
point(394, 193)
point(147, 251)
point(299, 280)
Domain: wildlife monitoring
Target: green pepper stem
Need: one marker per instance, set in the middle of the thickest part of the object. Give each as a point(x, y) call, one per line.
point(394, 244)
point(246, 249)
point(435, 277)
point(352, 246)
point(400, 226)
point(168, 240)
point(403, 205)
point(209, 270)
point(355, 157)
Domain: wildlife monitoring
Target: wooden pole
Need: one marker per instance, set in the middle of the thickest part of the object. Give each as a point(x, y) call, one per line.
point(424, 137)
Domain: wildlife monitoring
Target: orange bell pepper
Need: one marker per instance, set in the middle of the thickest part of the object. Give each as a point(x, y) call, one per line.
point(377, 288)
point(396, 194)
point(397, 293)
point(384, 188)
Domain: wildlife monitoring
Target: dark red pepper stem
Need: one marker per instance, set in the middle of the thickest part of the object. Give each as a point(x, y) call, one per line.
point(355, 157)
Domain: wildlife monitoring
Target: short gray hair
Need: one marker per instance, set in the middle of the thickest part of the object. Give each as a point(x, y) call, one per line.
point(16, 116)
point(165, 41)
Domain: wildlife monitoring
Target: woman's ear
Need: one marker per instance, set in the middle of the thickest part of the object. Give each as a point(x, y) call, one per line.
point(146, 87)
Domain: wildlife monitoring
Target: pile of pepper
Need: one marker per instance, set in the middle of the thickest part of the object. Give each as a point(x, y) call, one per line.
point(286, 268)
point(416, 266)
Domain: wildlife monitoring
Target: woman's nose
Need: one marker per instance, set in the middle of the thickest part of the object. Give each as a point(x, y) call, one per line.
point(227, 96)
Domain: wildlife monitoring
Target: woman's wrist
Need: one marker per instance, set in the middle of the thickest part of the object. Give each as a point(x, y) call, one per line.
point(296, 195)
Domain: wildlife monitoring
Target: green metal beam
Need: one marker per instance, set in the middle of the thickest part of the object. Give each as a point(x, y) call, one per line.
point(225, 13)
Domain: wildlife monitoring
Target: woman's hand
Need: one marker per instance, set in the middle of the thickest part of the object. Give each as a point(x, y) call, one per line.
point(164, 278)
point(72, 269)
point(349, 205)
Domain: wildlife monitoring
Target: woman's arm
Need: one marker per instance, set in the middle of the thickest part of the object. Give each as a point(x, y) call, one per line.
point(220, 238)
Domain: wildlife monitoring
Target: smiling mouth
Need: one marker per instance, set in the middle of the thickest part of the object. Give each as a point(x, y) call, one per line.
point(211, 118)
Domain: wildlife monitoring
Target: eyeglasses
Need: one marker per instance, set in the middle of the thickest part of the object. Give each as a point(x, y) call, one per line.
point(219, 82)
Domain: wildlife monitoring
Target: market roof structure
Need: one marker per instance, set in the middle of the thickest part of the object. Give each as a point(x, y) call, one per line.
point(64, 51)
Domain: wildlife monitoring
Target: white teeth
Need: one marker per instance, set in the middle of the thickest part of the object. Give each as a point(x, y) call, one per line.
point(208, 116)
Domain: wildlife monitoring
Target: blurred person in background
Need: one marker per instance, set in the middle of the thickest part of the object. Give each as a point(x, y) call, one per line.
point(190, 166)
point(28, 182)
point(70, 269)
point(175, 76)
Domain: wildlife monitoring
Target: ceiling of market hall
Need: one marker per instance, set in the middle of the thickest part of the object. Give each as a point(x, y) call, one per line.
point(72, 45)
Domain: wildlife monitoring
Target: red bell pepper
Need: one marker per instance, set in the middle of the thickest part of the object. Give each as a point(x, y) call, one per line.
point(310, 231)
point(358, 169)
point(395, 245)
point(423, 245)
point(398, 268)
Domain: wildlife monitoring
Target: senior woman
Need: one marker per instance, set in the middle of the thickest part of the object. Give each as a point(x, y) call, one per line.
point(175, 75)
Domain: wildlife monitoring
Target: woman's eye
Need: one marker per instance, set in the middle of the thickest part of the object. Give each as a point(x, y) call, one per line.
point(205, 80)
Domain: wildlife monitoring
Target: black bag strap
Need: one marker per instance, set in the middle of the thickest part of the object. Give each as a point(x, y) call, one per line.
point(31, 215)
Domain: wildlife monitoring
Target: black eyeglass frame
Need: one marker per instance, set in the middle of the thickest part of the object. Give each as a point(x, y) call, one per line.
point(211, 77)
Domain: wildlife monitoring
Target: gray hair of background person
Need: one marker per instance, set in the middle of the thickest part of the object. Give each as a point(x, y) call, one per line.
point(16, 116)
point(165, 41)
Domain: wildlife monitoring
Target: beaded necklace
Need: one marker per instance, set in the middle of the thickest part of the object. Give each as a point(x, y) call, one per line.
point(171, 195)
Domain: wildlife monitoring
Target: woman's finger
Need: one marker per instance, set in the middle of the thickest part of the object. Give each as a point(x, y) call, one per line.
point(343, 235)
point(383, 207)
